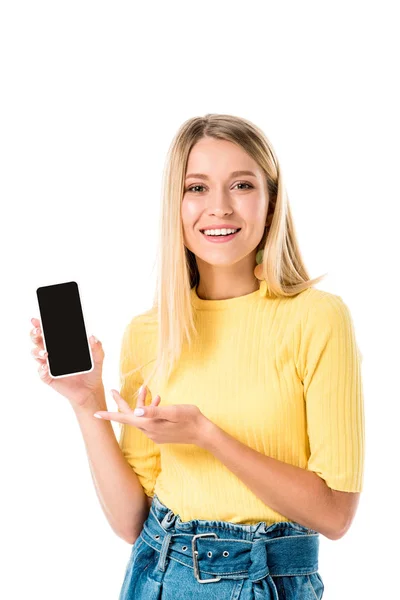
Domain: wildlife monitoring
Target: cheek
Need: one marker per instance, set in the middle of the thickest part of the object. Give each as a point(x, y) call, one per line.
point(189, 212)
point(253, 212)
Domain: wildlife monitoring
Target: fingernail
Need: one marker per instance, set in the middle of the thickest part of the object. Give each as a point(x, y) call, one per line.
point(98, 416)
point(94, 340)
point(138, 412)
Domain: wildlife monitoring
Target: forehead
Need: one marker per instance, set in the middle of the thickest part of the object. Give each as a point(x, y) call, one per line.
point(219, 157)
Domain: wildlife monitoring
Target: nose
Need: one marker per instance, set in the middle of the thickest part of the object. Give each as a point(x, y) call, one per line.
point(220, 204)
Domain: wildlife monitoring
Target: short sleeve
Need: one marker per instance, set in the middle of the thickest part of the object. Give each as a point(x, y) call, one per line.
point(329, 364)
point(141, 453)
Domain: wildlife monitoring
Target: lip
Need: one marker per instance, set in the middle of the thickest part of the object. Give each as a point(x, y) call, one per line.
point(220, 226)
point(219, 239)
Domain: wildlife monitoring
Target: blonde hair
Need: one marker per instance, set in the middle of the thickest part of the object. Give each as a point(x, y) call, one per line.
point(177, 272)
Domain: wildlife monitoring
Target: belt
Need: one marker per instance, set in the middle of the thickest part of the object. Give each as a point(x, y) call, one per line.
point(207, 554)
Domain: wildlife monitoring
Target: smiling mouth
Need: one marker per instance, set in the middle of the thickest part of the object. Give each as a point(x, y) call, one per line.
point(219, 234)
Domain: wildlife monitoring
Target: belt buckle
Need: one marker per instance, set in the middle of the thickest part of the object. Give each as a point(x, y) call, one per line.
point(195, 553)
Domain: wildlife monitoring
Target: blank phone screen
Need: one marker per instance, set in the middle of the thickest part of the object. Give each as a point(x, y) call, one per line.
point(63, 328)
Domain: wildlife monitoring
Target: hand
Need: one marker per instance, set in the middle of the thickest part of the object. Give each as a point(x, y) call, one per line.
point(78, 389)
point(175, 424)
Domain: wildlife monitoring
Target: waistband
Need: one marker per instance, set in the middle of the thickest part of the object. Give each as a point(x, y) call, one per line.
point(222, 550)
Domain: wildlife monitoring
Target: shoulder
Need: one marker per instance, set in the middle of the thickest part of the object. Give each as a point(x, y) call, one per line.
point(140, 327)
point(325, 317)
point(143, 321)
point(138, 338)
point(322, 307)
point(325, 325)
point(146, 319)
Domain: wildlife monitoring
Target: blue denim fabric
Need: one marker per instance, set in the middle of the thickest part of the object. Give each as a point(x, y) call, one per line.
point(234, 562)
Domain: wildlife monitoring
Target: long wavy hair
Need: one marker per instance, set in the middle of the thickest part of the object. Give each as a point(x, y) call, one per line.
point(282, 266)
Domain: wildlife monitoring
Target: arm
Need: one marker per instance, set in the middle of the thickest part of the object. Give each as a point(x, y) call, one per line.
point(325, 495)
point(298, 494)
point(122, 498)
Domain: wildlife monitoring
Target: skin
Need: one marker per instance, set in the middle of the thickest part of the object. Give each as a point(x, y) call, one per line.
point(226, 270)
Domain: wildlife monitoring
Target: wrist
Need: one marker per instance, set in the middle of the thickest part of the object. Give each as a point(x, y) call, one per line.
point(95, 401)
point(207, 432)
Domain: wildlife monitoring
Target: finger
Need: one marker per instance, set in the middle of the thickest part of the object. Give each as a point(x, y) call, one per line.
point(141, 399)
point(44, 373)
point(167, 413)
point(156, 400)
point(119, 417)
point(36, 336)
point(121, 403)
point(142, 396)
point(39, 354)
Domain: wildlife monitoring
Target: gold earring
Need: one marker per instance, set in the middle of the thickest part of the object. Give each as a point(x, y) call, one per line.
point(258, 272)
point(258, 268)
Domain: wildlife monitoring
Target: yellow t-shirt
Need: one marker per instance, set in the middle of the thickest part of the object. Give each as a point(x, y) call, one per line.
point(282, 375)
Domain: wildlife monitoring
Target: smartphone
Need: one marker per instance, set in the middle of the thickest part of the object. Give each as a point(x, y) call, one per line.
point(63, 330)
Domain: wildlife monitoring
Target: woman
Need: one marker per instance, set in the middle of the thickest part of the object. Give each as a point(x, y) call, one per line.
point(251, 439)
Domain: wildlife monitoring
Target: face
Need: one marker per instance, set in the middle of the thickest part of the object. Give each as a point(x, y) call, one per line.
point(219, 198)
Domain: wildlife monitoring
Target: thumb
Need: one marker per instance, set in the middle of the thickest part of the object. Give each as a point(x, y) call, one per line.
point(151, 410)
point(97, 349)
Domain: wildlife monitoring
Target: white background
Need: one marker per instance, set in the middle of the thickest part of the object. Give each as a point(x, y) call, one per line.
point(91, 96)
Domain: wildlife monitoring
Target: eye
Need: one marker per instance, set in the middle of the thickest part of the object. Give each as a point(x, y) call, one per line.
point(244, 183)
point(189, 189)
point(202, 186)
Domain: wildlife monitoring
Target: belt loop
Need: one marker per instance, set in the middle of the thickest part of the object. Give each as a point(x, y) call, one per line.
point(167, 520)
point(163, 553)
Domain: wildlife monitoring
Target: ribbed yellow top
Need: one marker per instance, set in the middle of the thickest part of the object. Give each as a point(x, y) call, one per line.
point(283, 376)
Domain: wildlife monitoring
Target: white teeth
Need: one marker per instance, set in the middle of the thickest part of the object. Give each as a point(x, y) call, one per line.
point(219, 231)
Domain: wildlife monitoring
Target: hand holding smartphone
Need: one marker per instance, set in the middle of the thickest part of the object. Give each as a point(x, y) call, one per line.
point(74, 367)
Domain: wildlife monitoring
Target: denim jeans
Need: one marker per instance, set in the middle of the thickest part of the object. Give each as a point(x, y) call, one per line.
point(218, 560)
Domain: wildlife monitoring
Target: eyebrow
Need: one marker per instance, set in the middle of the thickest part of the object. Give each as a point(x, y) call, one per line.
point(233, 174)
